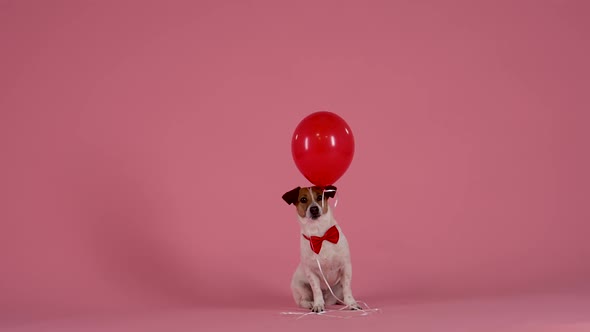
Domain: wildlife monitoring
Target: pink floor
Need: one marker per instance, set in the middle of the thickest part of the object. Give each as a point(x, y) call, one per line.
point(563, 312)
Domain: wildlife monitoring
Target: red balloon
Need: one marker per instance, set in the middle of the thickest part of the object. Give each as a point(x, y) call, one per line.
point(322, 147)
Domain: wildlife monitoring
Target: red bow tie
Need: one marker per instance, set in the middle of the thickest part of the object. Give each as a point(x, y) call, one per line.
point(331, 235)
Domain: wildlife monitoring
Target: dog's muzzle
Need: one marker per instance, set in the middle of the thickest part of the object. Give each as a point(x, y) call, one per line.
point(314, 211)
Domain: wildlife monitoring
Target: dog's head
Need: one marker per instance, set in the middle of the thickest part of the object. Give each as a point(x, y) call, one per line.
point(311, 202)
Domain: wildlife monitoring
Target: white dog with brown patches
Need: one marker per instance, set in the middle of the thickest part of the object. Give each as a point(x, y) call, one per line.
point(324, 250)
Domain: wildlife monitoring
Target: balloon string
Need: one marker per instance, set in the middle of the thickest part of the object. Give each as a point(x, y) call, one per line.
point(324, 195)
point(340, 313)
point(326, 281)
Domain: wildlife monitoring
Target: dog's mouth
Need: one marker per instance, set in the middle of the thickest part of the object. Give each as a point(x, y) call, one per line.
point(315, 217)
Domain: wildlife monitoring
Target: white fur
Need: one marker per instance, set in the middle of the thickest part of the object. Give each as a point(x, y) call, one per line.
point(308, 286)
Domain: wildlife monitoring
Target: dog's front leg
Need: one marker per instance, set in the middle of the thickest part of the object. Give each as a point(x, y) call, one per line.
point(346, 287)
point(318, 297)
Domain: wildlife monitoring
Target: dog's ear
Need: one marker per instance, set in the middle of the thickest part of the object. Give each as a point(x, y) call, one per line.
point(329, 191)
point(291, 196)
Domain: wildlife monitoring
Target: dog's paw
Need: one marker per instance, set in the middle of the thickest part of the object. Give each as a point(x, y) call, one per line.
point(318, 307)
point(354, 306)
point(306, 304)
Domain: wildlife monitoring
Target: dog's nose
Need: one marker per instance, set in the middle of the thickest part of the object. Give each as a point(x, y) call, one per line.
point(314, 210)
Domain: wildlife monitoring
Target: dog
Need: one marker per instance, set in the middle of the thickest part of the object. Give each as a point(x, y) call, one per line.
point(321, 239)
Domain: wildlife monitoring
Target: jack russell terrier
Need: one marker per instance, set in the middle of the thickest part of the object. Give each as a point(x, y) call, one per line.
point(321, 239)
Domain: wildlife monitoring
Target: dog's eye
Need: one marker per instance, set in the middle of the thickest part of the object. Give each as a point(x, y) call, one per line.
point(319, 197)
point(303, 199)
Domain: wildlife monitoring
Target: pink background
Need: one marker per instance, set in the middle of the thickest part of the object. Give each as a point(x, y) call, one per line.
point(146, 145)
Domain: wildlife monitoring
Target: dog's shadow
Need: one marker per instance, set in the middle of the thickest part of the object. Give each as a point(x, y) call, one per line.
point(129, 235)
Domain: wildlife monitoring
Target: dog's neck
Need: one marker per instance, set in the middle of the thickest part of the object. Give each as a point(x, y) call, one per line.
point(317, 227)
